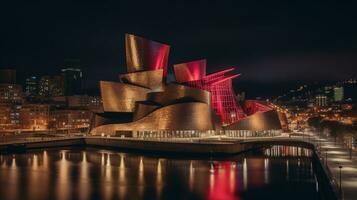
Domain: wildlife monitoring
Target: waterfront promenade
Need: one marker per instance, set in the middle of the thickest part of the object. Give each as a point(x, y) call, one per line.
point(337, 155)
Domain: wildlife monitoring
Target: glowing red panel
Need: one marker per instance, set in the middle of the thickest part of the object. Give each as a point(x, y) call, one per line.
point(225, 78)
point(223, 100)
point(143, 54)
point(219, 73)
point(190, 71)
point(250, 107)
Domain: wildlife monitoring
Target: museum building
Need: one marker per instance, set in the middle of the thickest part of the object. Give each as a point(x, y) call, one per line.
point(141, 104)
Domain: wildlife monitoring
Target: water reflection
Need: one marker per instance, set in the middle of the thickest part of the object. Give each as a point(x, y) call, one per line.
point(84, 177)
point(159, 181)
point(34, 178)
point(223, 182)
point(141, 178)
point(122, 179)
point(95, 174)
point(13, 177)
point(191, 176)
point(64, 185)
point(107, 178)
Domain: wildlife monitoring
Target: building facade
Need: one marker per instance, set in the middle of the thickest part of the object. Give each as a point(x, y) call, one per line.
point(35, 117)
point(11, 94)
point(70, 120)
point(31, 86)
point(338, 94)
point(142, 105)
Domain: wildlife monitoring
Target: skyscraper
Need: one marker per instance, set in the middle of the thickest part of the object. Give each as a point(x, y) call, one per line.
point(73, 77)
point(338, 94)
point(44, 86)
point(10, 92)
point(57, 85)
point(320, 100)
point(31, 86)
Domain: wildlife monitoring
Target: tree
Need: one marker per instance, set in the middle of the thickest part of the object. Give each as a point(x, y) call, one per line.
point(315, 122)
point(336, 128)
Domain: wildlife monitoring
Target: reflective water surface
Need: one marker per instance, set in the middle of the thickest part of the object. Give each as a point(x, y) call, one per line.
point(276, 173)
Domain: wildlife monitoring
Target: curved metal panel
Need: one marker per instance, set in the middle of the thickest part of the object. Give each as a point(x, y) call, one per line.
point(142, 109)
point(148, 79)
point(190, 71)
point(252, 106)
point(283, 121)
point(120, 97)
point(258, 122)
point(143, 54)
point(185, 116)
point(175, 93)
point(111, 118)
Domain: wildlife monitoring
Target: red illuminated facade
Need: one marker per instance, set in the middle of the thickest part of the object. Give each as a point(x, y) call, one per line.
point(219, 84)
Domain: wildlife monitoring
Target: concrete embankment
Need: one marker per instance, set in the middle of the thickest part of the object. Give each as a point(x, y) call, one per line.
point(196, 147)
point(169, 146)
point(38, 144)
point(132, 144)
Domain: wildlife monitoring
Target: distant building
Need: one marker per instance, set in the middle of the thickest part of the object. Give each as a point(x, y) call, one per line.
point(25, 116)
point(35, 116)
point(44, 86)
point(5, 122)
point(57, 86)
point(338, 94)
point(84, 101)
point(11, 94)
point(31, 86)
point(10, 117)
point(321, 100)
point(241, 96)
point(7, 76)
point(51, 86)
point(70, 119)
point(328, 90)
point(73, 78)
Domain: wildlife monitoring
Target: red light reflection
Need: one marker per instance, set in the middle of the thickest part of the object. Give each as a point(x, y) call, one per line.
point(224, 182)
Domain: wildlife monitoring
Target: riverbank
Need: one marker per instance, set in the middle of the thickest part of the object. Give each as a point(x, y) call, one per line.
point(196, 146)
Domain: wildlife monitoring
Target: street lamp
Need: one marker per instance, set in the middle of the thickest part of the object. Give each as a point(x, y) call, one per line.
point(340, 167)
point(350, 149)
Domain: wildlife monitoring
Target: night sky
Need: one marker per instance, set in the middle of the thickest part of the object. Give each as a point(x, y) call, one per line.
point(270, 41)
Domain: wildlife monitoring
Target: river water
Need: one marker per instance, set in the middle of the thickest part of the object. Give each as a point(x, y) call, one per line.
point(278, 172)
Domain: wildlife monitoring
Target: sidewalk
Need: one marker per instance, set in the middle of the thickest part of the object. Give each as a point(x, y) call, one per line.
point(339, 155)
